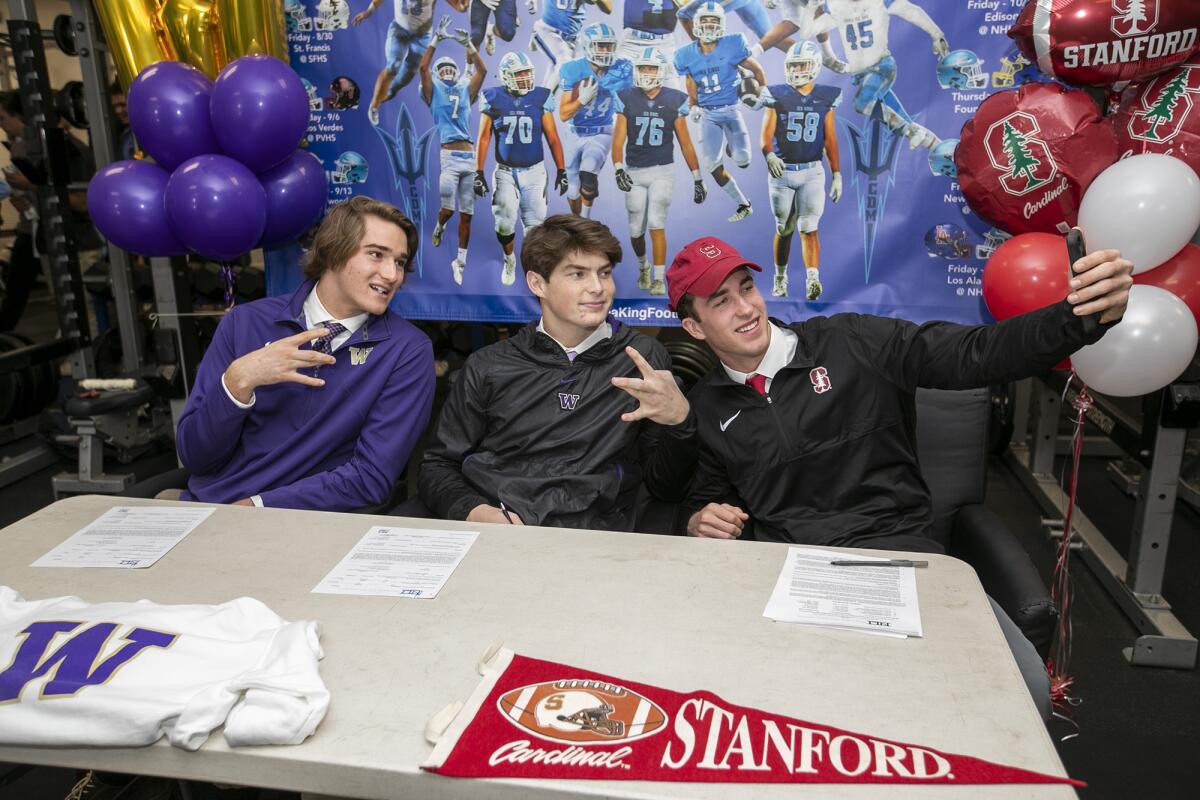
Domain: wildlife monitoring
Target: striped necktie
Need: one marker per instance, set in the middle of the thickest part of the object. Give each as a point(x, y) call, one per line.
point(325, 343)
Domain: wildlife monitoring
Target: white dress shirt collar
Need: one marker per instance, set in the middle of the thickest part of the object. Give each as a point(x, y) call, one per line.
point(780, 352)
point(595, 337)
point(315, 313)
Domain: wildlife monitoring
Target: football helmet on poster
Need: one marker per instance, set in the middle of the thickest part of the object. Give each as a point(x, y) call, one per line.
point(961, 69)
point(343, 93)
point(332, 15)
point(294, 18)
point(710, 22)
point(802, 64)
point(992, 239)
point(941, 158)
point(314, 102)
point(649, 68)
point(1015, 69)
point(446, 69)
point(576, 711)
point(350, 167)
point(600, 44)
point(947, 240)
point(516, 73)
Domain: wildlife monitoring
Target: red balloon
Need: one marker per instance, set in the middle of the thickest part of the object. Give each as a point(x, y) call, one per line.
point(1027, 272)
point(1102, 42)
point(1180, 276)
point(1163, 116)
point(1026, 158)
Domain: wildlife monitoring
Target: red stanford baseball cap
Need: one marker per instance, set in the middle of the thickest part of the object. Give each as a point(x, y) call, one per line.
point(701, 267)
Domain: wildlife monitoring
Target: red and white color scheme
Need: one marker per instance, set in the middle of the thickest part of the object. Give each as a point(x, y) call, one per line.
point(1028, 155)
point(1163, 116)
point(1106, 42)
point(820, 380)
point(536, 719)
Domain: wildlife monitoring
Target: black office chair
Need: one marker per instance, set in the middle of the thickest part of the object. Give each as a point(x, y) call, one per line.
point(952, 444)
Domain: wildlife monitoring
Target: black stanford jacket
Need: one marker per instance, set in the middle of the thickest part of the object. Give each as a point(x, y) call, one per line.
point(525, 426)
point(830, 458)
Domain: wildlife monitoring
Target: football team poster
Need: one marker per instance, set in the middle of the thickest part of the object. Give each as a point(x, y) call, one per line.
point(817, 138)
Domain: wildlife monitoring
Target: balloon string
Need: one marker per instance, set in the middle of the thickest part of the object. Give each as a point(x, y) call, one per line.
point(227, 281)
point(1058, 665)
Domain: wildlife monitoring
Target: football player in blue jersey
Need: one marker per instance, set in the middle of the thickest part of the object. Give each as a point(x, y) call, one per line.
point(504, 21)
point(751, 12)
point(649, 120)
point(712, 67)
point(557, 32)
point(518, 114)
point(589, 86)
point(408, 36)
point(798, 131)
point(450, 96)
point(649, 23)
point(863, 27)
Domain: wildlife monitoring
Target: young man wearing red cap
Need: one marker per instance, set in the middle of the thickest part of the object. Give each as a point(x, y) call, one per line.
point(810, 428)
point(543, 428)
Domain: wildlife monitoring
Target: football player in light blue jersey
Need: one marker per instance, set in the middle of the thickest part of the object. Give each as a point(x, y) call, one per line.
point(650, 117)
point(518, 115)
point(863, 27)
point(450, 96)
point(751, 12)
point(589, 86)
point(557, 32)
point(712, 68)
point(798, 130)
point(408, 36)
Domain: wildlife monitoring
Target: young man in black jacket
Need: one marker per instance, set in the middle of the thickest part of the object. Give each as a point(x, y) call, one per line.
point(810, 428)
point(562, 423)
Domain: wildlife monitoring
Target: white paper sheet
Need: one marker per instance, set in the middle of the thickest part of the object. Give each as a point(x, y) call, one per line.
point(126, 537)
point(810, 590)
point(399, 562)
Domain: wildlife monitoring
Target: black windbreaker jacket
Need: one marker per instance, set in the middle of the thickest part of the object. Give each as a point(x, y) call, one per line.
point(831, 457)
point(526, 427)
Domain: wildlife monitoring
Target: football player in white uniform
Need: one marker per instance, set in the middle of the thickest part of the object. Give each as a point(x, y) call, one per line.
point(796, 132)
point(408, 36)
point(863, 26)
point(450, 96)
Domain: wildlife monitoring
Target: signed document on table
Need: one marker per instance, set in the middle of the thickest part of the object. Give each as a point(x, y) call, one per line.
point(399, 562)
point(126, 537)
point(879, 600)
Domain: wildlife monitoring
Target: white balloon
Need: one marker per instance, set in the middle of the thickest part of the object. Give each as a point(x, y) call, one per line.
point(1147, 206)
point(1150, 347)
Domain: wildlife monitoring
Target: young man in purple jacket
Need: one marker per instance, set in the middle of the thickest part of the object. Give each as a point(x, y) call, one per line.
point(315, 399)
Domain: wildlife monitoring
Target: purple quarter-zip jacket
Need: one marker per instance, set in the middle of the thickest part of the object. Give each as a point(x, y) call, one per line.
point(336, 447)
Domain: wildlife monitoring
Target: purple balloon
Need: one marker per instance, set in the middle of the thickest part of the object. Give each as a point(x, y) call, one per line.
point(125, 201)
point(259, 111)
point(296, 192)
point(216, 207)
point(169, 113)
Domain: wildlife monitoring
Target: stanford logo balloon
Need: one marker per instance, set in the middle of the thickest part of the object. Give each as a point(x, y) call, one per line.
point(1023, 160)
point(1163, 116)
point(1134, 17)
point(1026, 158)
point(582, 712)
point(1106, 42)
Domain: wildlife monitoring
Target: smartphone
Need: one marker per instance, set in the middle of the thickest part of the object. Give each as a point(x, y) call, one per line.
point(1076, 249)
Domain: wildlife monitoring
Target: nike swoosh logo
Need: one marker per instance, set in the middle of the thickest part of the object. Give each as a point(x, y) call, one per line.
point(727, 422)
point(571, 379)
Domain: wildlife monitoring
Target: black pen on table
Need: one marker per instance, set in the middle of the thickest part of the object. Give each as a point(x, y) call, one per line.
point(892, 562)
point(504, 511)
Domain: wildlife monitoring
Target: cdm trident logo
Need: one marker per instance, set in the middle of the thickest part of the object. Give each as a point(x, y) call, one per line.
point(407, 153)
point(874, 147)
